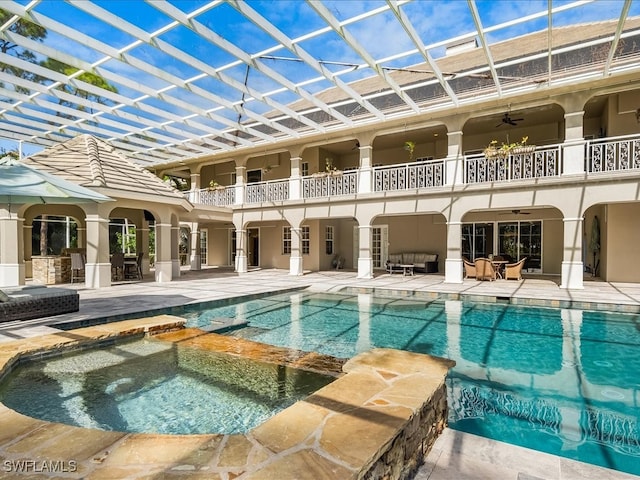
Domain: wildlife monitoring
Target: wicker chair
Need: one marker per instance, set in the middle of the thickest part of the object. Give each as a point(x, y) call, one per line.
point(514, 270)
point(117, 266)
point(77, 266)
point(469, 269)
point(485, 269)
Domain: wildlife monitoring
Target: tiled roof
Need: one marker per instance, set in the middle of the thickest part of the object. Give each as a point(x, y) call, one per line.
point(92, 162)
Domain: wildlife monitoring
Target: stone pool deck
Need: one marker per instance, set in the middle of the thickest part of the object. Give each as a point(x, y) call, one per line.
point(376, 420)
point(455, 455)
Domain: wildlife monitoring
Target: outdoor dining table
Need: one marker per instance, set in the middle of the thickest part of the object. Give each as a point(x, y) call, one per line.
point(499, 266)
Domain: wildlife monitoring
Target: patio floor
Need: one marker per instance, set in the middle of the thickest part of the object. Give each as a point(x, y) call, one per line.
point(455, 455)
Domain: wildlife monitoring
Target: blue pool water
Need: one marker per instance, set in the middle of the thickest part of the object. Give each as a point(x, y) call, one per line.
point(155, 387)
point(562, 381)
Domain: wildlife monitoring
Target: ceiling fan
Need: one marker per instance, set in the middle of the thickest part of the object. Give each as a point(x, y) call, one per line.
point(507, 120)
point(515, 211)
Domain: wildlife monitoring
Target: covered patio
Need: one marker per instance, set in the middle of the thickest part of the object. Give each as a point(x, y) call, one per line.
point(138, 195)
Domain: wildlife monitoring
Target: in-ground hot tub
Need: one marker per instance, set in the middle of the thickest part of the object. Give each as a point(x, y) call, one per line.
point(152, 386)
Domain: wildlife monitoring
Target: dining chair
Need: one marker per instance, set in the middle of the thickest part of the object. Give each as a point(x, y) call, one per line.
point(117, 266)
point(133, 268)
point(77, 266)
point(485, 269)
point(514, 270)
point(469, 269)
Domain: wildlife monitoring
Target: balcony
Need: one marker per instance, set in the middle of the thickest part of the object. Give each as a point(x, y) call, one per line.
point(616, 154)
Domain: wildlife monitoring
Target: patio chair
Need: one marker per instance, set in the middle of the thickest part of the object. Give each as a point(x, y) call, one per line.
point(77, 266)
point(469, 269)
point(485, 269)
point(117, 266)
point(133, 268)
point(514, 270)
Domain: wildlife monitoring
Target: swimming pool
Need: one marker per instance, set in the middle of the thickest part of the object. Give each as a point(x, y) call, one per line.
point(561, 381)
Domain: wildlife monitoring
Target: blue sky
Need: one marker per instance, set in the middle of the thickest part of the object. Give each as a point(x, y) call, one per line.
point(381, 35)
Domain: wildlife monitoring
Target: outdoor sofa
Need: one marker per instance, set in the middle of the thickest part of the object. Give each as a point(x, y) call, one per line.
point(24, 303)
point(422, 262)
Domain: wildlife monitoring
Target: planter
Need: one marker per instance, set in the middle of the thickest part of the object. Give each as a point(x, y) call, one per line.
point(523, 149)
point(490, 153)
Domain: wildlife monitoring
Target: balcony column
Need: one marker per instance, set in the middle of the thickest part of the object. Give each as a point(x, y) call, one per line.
point(573, 153)
point(241, 181)
point(453, 262)
point(572, 265)
point(365, 177)
point(454, 163)
point(241, 251)
point(365, 260)
point(295, 180)
point(11, 247)
point(295, 260)
point(194, 191)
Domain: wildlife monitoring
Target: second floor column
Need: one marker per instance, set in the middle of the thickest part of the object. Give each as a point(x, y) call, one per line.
point(454, 163)
point(573, 153)
point(572, 264)
point(453, 262)
point(194, 191)
point(365, 178)
point(295, 180)
point(241, 183)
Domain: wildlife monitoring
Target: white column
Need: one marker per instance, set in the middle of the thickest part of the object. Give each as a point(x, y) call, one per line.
point(164, 263)
point(573, 147)
point(27, 235)
point(194, 191)
point(365, 260)
point(11, 248)
point(295, 260)
point(453, 262)
point(98, 266)
point(572, 265)
point(295, 180)
point(175, 251)
point(241, 251)
point(241, 173)
point(454, 163)
point(194, 248)
point(365, 174)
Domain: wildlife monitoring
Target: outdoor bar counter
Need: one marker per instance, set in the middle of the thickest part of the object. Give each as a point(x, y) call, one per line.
point(51, 269)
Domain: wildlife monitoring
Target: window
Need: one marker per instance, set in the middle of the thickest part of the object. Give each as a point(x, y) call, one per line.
point(328, 240)
point(306, 242)
point(304, 169)
point(254, 176)
point(286, 240)
point(204, 240)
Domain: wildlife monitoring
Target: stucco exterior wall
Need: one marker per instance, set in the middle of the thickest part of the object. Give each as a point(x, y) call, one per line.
point(218, 247)
point(619, 238)
point(552, 237)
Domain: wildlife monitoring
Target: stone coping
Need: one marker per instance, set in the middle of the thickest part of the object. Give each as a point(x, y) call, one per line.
point(490, 298)
point(336, 433)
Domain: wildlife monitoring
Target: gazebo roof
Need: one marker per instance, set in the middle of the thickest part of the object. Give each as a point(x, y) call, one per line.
point(91, 162)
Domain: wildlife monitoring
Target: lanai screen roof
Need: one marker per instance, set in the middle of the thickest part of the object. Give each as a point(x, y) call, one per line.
point(197, 78)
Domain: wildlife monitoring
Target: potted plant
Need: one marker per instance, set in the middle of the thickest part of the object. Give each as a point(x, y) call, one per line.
point(410, 146)
point(522, 147)
point(330, 169)
point(213, 185)
point(491, 150)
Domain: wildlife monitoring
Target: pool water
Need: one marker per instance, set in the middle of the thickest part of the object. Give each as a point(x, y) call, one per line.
point(156, 387)
point(562, 381)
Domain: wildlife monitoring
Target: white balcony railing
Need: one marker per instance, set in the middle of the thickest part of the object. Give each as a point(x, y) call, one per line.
point(271, 191)
point(542, 162)
point(602, 155)
point(323, 185)
point(217, 197)
point(409, 176)
point(613, 154)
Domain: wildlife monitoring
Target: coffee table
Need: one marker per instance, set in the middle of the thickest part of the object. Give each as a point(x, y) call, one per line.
point(407, 269)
